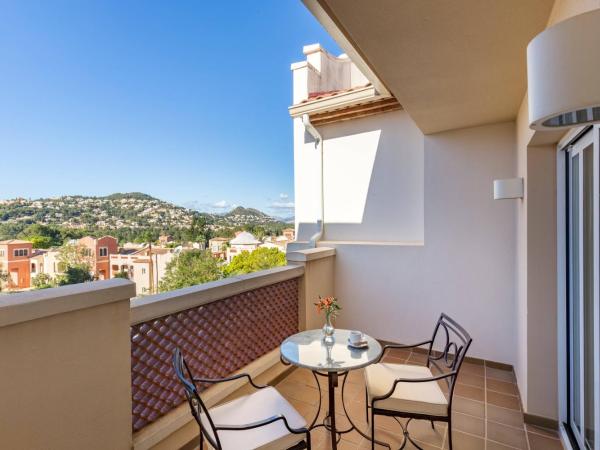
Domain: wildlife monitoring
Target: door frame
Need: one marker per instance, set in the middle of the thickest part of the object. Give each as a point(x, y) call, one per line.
point(563, 287)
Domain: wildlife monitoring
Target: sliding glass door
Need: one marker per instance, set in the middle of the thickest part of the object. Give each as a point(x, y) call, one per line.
point(583, 311)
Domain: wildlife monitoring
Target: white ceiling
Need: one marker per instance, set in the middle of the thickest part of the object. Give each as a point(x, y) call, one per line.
point(450, 63)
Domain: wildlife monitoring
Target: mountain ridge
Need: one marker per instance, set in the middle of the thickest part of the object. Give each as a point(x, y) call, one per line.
point(130, 210)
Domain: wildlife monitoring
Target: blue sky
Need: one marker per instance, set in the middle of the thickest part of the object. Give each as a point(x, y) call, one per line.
point(186, 101)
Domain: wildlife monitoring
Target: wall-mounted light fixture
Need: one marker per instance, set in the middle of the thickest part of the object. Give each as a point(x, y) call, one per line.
point(562, 74)
point(508, 188)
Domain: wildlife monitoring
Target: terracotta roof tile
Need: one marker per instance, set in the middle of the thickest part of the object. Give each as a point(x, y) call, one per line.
point(324, 94)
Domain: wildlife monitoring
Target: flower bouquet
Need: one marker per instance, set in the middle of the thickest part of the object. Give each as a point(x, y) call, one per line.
point(331, 308)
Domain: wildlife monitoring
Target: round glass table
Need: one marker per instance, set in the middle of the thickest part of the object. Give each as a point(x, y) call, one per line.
point(332, 360)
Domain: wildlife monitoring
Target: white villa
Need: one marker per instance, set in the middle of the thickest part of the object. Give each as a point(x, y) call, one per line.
point(243, 242)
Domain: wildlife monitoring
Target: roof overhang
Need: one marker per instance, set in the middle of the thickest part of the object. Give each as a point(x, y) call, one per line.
point(452, 64)
point(339, 101)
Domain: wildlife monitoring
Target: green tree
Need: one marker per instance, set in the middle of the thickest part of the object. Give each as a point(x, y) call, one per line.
point(41, 241)
point(3, 278)
point(42, 236)
point(121, 274)
point(75, 275)
point(75, 255)
point(42, 281)
point(75, 262)
point(190, 268)
point(199, 230)
point(260, 259)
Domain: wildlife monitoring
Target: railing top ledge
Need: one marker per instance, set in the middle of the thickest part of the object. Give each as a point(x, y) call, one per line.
point(25, 306)
point(310, 254)
point(153, 306)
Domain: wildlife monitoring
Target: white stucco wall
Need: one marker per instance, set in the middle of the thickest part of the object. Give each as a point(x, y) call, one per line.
point(373, 171)
point(439, 242)
point(536, 296)
point(466, 265)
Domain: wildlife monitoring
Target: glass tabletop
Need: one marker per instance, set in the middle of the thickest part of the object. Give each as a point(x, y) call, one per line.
point(307, 349)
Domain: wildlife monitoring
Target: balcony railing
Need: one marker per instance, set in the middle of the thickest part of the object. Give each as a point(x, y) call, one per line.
point(230, 324)
point(101, 363)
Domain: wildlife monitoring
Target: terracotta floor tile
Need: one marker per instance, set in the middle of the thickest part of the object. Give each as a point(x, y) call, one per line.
point(302, 376)
point(471, 392)
point(503, 434)
point(468, 424)
point(418, 358)
point(471, 379)
point(388, 423)
point(505, 416)
point(468, 406)
point(499, 374)
point(393, 359)
point(306, 410)
point(539, 442)
point(502, 387)
point(394, 438)
point(356, 377)
point(506, 401)
point(473, 369)
point(492, 445)
point(299, 391)
point(423, 445)
point(422, 431)
point(463, 441)
point(505, 429)
point(398, 353)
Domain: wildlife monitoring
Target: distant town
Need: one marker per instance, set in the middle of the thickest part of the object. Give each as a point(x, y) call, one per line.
point(159, 246)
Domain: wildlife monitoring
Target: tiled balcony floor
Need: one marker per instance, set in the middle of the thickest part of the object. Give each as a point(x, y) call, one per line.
point(486, 412)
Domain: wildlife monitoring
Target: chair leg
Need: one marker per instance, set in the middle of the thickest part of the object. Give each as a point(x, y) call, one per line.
point(201, 440)
point(432, 425)
point(367, 405)
point(372, 429)
point(449, 433)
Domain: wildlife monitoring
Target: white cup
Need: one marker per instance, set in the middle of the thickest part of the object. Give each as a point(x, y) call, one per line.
point(356, 337)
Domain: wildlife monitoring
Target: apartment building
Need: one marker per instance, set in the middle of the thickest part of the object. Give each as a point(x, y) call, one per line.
point(14, 260)
point(47, 262)
point(146, 267)
point(99, 251)
point(289, 234)
point(218, 247)
point(278, 242)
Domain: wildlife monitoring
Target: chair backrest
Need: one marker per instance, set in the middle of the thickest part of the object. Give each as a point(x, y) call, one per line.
point(455, 341)
point(197, 406)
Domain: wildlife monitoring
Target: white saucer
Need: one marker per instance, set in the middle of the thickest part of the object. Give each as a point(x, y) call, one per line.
point(359, 345)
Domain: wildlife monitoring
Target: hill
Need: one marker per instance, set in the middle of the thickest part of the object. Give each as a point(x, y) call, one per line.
point(127, 215)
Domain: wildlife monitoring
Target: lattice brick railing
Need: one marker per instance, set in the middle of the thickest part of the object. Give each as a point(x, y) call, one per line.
point(216, 338)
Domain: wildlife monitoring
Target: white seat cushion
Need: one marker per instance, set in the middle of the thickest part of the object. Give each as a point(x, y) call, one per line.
point(260, 405)
point(417, 398)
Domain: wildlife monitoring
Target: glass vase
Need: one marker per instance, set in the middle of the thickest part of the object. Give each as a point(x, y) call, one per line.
point(328, 330)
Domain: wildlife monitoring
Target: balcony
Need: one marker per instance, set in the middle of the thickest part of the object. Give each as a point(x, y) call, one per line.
point(487, 412)
point(86, 367)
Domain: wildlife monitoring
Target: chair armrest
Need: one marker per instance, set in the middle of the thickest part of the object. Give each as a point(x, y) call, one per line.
point(262, 423)
point(388, 346)
point(231, 378)
point(412, 380)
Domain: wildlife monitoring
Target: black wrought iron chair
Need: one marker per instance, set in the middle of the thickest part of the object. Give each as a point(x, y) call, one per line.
point(412, 391)
point(260, 420)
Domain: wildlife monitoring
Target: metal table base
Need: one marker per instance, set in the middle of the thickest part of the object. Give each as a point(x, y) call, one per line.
point(329, 419)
